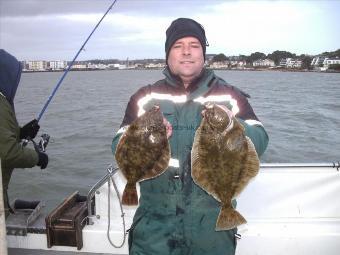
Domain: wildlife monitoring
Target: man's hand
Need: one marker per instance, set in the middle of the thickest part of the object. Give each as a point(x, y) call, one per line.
point(29, 130)
point(168, 127)
point(43, 160)
point(223, 107)
point(227, 110)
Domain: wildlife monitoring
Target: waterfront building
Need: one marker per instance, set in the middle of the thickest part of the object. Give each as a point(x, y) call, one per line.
point(57, 65)
point(264, 63)
point(318, 61)
point(36, 65)
point(283, 62)
point(97, 66)
point(113, 66)
point(293, 63)
point(155, 65)
point(79, 66)
point(331, 61)
point(239, 64)
point(24, 65)
point(219, 65)
point(290, 63)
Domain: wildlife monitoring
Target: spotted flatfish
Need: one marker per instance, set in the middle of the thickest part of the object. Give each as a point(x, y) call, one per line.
point(143, 152)
point(223, 160)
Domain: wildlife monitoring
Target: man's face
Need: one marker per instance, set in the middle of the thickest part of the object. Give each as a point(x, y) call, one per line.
point(186, 58)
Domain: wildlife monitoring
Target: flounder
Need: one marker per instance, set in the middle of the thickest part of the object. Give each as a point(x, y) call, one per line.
point(143, 152)
point(223, 160)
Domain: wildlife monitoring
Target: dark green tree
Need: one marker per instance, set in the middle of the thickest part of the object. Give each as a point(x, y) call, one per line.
point(242, 57)
point(277, 55)
point(306, 61)
point(335, 54)
point(255, 56)
point(219, 58)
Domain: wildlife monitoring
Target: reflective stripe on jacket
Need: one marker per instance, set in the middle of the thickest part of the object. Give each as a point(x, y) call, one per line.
point(175, 216)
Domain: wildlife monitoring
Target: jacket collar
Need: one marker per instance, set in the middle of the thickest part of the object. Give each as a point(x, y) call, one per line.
point(198, 87)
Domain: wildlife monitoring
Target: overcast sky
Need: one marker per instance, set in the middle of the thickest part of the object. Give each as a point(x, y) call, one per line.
point(135, 29)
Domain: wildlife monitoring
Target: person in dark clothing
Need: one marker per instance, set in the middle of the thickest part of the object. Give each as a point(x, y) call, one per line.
point(12, 153)
point(176, 216)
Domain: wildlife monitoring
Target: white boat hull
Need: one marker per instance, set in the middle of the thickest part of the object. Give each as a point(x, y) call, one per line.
point(289, 209)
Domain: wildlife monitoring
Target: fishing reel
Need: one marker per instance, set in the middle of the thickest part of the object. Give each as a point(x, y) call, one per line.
point(41, 146)
point(44, 139)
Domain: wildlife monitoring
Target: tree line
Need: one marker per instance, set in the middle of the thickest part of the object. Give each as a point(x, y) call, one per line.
point(276, 56)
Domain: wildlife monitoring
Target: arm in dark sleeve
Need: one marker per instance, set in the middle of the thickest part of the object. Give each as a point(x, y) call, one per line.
point(257, 135)
point(12, 154)
point(253, 127)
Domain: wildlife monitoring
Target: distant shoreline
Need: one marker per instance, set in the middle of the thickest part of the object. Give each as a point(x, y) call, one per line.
point(139, 69)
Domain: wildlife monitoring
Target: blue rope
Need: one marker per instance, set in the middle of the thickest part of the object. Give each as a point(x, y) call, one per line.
point(70, 65)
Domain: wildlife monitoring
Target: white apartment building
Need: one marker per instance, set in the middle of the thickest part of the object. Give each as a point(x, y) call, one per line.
point(331, 61)
point(323, 62)
point(57, 65)
point(238, 63)
point(153, 65)
point(79, 66)
point(220, 65)
point(293, 63)
point(36, 65)
point(283, 62)
point(317, 61)
point(290, 63)
point(264, 63)
point(97, 66)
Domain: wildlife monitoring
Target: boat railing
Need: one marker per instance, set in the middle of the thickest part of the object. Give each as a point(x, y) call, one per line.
point(110, 172)
point(301, 165)
point(113, 170)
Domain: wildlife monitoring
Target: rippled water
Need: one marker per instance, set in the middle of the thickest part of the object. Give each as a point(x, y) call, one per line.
point(300, 111)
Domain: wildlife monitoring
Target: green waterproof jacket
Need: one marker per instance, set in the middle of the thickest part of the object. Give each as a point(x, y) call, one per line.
point(12, 154)
point(176, 216)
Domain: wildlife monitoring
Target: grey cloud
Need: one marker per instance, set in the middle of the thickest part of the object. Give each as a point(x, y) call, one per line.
point(10, 8)
point(13, 8)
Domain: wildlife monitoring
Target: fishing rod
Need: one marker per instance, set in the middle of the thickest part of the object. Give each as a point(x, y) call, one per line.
point(68, 69)
point(70, 65)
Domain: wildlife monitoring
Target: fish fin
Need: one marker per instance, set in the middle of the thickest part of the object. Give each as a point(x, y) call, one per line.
point(130, 196)
point(195, 165)
point(163, 162)
point(251, 167)
point(229, 218)
point(120, 150)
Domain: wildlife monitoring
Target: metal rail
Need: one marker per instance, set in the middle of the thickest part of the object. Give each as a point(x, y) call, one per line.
point(297, 165)
point(110, 172)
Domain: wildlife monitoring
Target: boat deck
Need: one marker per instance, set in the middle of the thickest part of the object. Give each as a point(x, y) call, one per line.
point(290, 210)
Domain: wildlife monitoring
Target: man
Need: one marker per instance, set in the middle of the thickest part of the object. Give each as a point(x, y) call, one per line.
point(175, 216)
point(12, 153)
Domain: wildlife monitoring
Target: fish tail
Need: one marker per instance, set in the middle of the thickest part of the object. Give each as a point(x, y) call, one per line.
point(229, 218)
point(130, 196)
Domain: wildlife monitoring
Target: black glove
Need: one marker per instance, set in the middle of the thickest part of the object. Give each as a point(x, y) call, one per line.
point(43, 160)
point(29, 130)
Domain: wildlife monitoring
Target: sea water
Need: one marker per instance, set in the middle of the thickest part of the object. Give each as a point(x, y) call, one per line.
point(299, 110)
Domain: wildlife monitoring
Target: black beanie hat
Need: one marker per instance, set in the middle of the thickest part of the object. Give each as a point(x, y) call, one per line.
point(184, 27)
